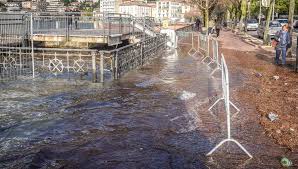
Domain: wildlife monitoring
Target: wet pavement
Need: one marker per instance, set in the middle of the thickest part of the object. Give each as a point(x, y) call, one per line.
point(155, 117)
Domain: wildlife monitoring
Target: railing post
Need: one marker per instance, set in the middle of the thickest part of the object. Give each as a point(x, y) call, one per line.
point(32, 46)
point(94, 77)
point(101, 67)
point(141, 43)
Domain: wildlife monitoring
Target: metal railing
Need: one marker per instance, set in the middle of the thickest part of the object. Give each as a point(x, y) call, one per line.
point(18, 55)
point(135, 55)
point(77, 23)
point(15, 61)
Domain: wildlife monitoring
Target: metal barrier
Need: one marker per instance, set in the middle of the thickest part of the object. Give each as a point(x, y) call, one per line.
point(187, 38)
point(204, 46)
point(215, 54)
point(227, 103)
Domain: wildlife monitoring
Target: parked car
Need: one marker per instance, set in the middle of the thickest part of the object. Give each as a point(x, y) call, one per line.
point(274, 26)
point(252, 24)
point(282, 21)
point(295, 24)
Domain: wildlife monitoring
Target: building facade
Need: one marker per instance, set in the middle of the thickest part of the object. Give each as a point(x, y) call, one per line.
point(173, 10)
point(136, 9)
point(47, 6)
point(27, 5)
point(110, 6)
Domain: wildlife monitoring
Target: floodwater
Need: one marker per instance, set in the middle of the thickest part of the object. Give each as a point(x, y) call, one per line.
point(155, 117)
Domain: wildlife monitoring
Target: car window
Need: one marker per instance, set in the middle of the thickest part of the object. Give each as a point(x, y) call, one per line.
point(283, 21)
point(252, 21)
point(274, 24)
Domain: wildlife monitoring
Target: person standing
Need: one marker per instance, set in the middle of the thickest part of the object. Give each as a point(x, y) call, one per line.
point(283, 40)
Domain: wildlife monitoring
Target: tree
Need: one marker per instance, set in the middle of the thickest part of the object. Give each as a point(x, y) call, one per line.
point(234, 6)
point(205, 6)
point(268, 19)
point(243, 14)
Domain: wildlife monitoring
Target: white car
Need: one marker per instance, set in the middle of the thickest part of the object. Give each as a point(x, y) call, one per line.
point(252, 24)
point(282, 21)
point(274, 26)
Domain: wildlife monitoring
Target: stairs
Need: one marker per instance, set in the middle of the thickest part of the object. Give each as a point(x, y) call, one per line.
point(148, 30)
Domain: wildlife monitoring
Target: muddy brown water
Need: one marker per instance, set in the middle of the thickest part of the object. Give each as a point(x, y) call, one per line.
point(139, 121)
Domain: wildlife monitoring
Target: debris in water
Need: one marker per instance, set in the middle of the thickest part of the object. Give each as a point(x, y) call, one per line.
point(187, 95)
point(285, 162)
point(275, 77)
point(272, 116)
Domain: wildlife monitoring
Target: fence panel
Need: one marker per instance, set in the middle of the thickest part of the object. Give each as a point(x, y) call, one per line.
point(15, 46)
point(227, 103)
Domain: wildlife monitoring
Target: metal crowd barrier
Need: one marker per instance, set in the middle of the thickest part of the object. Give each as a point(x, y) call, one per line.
point(205, 45)
point(227, 103)
point(212, 53)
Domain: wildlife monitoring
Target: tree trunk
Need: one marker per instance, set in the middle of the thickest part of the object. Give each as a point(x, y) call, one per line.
point(243, 14)
point(268, 19)
point(235, 18)
point(207, 14)
point(291, 20)
point(207, 18)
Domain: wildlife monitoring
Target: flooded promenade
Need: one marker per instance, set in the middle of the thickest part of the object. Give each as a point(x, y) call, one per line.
point(154, 117)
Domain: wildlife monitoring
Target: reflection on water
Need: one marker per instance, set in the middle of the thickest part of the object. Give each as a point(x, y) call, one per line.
point(139, 121)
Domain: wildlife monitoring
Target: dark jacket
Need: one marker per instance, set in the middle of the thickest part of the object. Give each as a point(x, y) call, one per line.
point(283, 39)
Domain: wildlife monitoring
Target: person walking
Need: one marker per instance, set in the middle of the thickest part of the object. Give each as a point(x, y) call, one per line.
point(217, 28)
point(283, 41)
point(198, 24)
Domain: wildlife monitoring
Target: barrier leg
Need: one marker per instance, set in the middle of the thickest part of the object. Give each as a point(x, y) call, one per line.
point(216, 69)
point(215, 103)
point(212, 61)
point(205, 58)
point(216, 147)
point(230, 140)
point(235, 107)
point(243, 149)
point(192, 49)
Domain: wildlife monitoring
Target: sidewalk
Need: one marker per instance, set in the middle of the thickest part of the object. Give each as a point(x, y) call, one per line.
point(267, 88)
